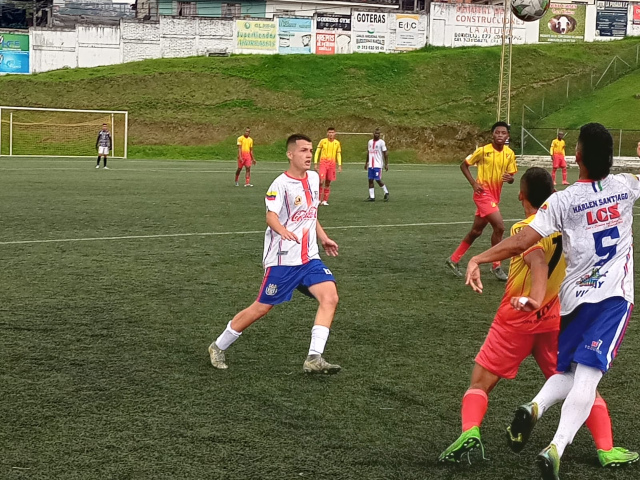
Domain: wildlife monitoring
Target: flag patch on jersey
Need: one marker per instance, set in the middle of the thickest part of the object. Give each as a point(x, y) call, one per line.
point(272, 195)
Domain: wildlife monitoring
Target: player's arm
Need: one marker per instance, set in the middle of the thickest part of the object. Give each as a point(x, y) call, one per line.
point(98, 140)
point(512, 169)
point(239, 151)
point(638, 151)
point(317, 156)
point(553, 144)
point(110, 141)
point(507, 248)
point(253, 159)
point(536, 262)
point(330, 247)
point(464, 166)
point(339, 159)
point(366, 159)
point(386, 160)
point(274, 223)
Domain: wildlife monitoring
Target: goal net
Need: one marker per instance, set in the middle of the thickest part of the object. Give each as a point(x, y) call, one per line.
point(52, 132)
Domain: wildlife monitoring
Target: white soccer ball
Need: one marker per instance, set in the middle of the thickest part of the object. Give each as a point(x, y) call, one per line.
point(530, 10)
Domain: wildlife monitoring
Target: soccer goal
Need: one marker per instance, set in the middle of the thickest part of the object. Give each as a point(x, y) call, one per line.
point(55, 132)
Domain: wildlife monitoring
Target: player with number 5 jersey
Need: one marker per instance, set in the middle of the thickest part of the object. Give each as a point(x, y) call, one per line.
point(291, 258)
point(595, 217)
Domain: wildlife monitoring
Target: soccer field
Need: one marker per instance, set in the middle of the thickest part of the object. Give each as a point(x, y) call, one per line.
point(115, 282)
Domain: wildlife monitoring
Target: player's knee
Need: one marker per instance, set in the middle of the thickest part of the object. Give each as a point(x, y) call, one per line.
point(261, 309)
point(330, 300)
point(475, 232)
point(498, 229)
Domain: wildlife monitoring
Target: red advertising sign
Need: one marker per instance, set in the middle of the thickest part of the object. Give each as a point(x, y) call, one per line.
point(636, 14)
point(325, 43)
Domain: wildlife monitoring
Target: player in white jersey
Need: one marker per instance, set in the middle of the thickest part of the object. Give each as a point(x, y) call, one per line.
point(291, 259)
point(595, 217)
point(377, 158)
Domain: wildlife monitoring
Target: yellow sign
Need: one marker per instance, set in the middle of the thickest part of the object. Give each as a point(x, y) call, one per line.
point(253, 35)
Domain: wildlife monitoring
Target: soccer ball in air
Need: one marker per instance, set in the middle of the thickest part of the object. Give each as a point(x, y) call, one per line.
point(529, 10)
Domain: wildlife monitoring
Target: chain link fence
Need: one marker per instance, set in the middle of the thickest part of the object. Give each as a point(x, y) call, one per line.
point(537, 141)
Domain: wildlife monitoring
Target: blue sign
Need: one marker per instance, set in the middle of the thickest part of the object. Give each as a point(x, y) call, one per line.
point(294, 35)
point(14, 62)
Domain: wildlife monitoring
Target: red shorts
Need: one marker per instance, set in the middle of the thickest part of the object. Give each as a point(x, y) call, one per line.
point(504, 350)
point(327, 170)
point(486, 204)
point(245, 160)
point(559, 161)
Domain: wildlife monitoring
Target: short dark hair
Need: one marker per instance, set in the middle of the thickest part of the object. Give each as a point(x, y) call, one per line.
point(500, 124)
point(103, 124)
point(293, 139)
point(331, 128)
point(596, 145)
point(536, 185)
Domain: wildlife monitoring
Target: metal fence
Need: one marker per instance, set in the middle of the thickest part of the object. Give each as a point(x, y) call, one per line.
point(537, 141)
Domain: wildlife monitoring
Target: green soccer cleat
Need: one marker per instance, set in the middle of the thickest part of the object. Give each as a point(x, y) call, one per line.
point(499, 274)
point(548, 461)
point(317, 364)
point(617, 457)
point(455, 267)
point(519, 431)
point(217, 357)
point(466, 443)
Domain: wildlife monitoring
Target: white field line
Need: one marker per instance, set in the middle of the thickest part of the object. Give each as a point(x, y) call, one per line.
point(215, 234)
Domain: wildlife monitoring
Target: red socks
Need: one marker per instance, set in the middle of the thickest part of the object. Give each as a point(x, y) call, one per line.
point(327, 192)
point(599, 424)
point(460, 251)
point(322, 194)
point(564, 175)
point(474, 407)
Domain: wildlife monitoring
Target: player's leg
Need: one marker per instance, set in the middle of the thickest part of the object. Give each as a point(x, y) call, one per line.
point(327, 191)
point(238, 172)
point(554, 170)
point(98, 163)
point(372, 192)
point(105, 159)
point(319, 283)
point(247, 175)
point(563, 165)
point(497, 224)
point(322, 173)
point(479, 224)
point(384, 189)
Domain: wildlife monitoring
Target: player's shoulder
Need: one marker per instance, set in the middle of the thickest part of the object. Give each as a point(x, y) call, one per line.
point(312, 175)
point(509, 151)
point(521, 224)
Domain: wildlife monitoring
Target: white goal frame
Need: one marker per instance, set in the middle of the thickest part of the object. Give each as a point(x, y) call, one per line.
point(66, 110)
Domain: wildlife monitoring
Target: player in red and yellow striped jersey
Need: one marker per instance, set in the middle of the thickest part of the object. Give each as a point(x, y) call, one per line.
point(557, 158)
point(330, 152)
point(527, 323)
point(496, 164)
point(245, 157)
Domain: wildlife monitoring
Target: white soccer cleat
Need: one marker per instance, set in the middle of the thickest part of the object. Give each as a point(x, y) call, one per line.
point(325, 203)
point(317, 364)
point(217, 357)
point(106, 168)
point(248, 185)
point(97, 166)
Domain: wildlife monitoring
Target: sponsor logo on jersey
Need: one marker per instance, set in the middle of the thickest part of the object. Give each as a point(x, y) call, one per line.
point(603, 214)
point(595, 346)
point(544, 206)
point(297, 201)
point(271, 289)
point(272, 195)
point(301, 215)
point(592, 279)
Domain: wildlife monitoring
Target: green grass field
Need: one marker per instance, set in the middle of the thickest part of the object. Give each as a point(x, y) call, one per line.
point(115, 282)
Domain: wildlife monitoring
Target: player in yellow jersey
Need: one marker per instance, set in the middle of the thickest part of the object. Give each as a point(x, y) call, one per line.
point(527, 323)
point(329, 152)
point(245, 157)
point(557, 158)
point(496, 165)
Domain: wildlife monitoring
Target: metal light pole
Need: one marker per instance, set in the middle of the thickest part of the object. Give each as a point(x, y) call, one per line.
point(504, 89)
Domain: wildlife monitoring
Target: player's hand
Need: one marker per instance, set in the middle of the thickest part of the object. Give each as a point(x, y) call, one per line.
point(330, 247)
point(525, 304)
point(253, 162)
point(507, 178)
point(365, 167)
point(477, 188)
point(339, 168)
point(315, 167)
point(386, 168)
point(473, 276)
point(287, 235)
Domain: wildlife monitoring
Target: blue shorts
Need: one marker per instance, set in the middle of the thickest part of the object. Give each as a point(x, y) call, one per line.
point(592, 334)
point(374, 173)
point(280, 282)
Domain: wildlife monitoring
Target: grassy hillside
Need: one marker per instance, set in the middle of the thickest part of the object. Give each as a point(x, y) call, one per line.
point(432, 104)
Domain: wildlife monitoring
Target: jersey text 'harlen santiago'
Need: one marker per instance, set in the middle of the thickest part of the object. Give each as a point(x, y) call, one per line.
point(296, 204)
point(596, 221)
point(492, 164)
point(547, 318)
point(376, 153)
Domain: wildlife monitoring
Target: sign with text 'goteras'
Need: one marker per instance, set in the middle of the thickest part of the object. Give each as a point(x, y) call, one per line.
point(370, 31)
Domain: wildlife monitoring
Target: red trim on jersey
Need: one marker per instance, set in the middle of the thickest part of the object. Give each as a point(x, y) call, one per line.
point(373, 147)
point(305, 246)
point(307, 192)
point(299, 179)
point(264, 281)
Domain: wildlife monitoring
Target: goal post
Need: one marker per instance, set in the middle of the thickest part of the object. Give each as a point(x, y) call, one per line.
point(58, 132)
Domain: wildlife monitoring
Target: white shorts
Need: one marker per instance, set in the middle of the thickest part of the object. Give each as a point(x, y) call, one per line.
point(103, 150)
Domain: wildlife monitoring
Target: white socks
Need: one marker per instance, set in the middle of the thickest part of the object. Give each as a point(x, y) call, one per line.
point(555, 390)
point(372, 193)
point(577, 406)
point(319, 336)
point(385, 189)
point(227, 337)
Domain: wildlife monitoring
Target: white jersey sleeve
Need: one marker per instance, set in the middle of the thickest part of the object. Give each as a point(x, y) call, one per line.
point(596, 222)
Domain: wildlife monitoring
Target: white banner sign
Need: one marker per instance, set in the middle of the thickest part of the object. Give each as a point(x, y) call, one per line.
point(407, 36)
point(370, 22)
point(370, 42)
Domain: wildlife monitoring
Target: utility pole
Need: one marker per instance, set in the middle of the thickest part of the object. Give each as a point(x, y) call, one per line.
point(504, 88)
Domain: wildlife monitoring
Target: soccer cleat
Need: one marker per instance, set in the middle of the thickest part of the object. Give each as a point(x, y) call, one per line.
point(317, 364)
point(466, 443)
point(97, 166)
point(248, 185)
point(106, 168)
point(369, 199)
point(519, 431)
point(217, 357)
point(617, 457)
point(237, 185)
point(386, 197)
point(325, 203)
point(548, 461)
point(455, 267)
point(499, 274)
point(566, 183)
